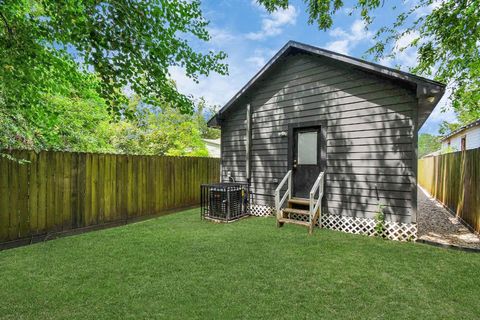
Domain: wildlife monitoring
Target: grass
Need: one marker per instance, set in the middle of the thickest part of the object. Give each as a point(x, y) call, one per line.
point(180, 267)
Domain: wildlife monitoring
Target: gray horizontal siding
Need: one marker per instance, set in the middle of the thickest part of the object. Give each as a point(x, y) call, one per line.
point(280, 159)
point(282, 150)
point(328, 108)
point(269, 173)
point(233, 149)
point(362, 141)
point(268, 185)
point(378, 128)
point(366, 93)
point(371, 163)
point(299, 76)
point(356, 193)
point(336, 112)
point(370, 147)
point(370, 193)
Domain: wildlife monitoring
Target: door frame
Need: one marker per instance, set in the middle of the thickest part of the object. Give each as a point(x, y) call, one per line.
point(323, 141)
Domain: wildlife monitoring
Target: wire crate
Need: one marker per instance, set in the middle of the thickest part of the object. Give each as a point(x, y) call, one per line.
point(224, 201)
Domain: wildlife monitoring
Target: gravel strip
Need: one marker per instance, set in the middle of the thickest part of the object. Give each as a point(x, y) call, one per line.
point(437, 224)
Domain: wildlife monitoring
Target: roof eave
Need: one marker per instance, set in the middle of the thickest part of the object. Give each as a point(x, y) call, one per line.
point(431, 90)
point(213, 122)
point(428, 95)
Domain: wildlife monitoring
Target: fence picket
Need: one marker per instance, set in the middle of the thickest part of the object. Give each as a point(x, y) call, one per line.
point(4, 200)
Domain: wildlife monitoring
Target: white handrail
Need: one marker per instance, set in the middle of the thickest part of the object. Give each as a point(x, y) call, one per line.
point(315, 204)
point(288, 192)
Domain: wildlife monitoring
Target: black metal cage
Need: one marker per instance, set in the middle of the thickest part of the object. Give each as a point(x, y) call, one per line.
point(224, 201)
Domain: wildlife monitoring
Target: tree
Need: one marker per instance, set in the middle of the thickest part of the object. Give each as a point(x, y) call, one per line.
point(446, 128)
point(428, 143)
point(202, 113)
point(158, 130)
point(446, 40)
point(127, 44)
point(71, 116)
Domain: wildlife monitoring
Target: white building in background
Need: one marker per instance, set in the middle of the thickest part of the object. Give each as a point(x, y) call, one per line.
point(464, 138)
point(213, 147)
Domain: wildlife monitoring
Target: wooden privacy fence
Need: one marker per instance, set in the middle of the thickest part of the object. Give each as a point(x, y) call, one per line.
point(454, 179)
point(61, 191)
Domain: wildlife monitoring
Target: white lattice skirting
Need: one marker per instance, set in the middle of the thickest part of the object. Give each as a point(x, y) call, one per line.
point(261, 211)
point(392, 230)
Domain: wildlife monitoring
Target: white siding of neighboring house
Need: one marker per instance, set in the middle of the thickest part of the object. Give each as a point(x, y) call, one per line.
point(213, 147)
point(472, 141)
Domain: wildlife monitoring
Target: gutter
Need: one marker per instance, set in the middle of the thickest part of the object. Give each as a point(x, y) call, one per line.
point(468, 126)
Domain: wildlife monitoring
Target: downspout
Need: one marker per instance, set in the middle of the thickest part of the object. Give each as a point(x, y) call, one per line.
point(248, 143)
point(248, 155)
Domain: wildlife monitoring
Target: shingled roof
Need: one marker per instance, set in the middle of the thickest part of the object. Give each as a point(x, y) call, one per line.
point(465, 127)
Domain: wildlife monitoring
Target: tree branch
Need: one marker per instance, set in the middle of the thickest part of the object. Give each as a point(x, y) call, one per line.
point(7, 26)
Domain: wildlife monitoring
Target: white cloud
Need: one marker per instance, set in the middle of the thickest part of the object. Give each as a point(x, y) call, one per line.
point(255, 3)
point(340, 46)
point(406, 39)
point(272, 24)
point(444, 111)
point(386, 61)
point(348, 40)
point(220, 36)
point(347, 11)
point(260, 57)
point(426, 10)
point(441, 113)
point(406, 57)
point(258, 61)
point(216, 89)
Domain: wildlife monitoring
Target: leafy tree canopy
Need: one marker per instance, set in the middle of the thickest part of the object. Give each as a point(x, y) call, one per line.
point(160, 131)
point(70, 116)
point(203, 112)
point(446, 128)
point(446, 39)
point(127, 44)
point(428, 143)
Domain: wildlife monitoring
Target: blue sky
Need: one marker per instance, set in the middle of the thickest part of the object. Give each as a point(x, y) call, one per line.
point(250, 36)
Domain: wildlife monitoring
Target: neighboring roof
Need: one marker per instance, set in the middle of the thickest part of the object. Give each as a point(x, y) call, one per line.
point(425, 87)
point(433, 154)
point(212, 141)
point(468, 126)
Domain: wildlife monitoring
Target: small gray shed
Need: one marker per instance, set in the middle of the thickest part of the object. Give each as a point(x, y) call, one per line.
point(311, 110)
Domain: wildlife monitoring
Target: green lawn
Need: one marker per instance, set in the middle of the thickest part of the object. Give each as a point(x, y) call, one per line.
point(180, 267)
